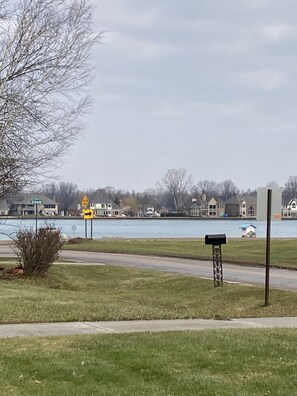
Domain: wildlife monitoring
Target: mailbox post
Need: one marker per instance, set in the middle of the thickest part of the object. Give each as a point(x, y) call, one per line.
point(216, 240)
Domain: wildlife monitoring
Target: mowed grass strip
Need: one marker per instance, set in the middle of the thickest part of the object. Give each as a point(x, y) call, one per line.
point(238, 250)
point(224, 362)
point(90, 293)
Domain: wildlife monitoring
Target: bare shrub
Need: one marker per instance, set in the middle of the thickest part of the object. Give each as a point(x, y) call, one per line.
point(37, 251)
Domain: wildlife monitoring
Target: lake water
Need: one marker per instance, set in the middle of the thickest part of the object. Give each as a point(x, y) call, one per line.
point(150, 228)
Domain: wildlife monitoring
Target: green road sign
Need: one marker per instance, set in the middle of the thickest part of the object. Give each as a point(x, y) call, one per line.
point(36, 201)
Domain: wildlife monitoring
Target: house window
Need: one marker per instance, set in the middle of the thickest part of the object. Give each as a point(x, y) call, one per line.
point(251, 211)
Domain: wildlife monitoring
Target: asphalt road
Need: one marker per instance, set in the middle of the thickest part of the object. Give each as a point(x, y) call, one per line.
point(279, 278)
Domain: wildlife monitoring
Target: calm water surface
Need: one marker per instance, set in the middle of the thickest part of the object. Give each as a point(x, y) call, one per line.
point(150, 228)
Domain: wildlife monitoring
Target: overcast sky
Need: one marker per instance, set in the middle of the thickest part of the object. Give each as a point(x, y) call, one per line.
point(209, 86)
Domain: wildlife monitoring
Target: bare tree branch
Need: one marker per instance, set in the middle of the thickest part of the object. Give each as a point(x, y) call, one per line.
point(45, 47)
point(177, 182)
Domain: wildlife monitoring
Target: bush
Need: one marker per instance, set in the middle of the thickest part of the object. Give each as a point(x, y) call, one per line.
point(37, 251)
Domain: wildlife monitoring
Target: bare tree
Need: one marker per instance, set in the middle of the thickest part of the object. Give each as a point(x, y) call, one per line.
point(207, 187)
point(272, 184)
point(3, 9)
point(227, 189)
point(45, 47)
point(290, 189)
point(67, 195)
point(64, 193)
point(50, 190)
point(149, 198)
point(178, 183)
point(249, 191)
point(130, 206)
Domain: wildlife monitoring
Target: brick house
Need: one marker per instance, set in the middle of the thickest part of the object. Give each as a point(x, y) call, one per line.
point(241, 206)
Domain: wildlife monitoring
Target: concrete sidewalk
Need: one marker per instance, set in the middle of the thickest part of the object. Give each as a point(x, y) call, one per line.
point(76, 328)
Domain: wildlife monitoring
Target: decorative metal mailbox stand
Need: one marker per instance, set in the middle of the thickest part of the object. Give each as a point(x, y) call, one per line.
point(216, 240)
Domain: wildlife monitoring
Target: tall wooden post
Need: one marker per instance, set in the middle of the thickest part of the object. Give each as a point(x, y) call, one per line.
point(268, 236)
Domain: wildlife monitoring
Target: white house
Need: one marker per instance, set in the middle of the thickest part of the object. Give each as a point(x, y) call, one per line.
point(291, 209)
point(103, 206)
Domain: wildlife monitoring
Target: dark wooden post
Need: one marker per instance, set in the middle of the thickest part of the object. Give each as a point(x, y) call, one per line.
point(268, 232)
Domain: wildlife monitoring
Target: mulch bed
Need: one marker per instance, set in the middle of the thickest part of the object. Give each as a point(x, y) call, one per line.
point(11, 273)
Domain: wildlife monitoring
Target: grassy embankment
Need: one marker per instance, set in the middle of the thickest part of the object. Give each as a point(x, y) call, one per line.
point(244, 251)
point(88, 293)
point(73, 293)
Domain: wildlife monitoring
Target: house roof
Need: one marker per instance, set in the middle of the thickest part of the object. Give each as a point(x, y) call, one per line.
point(28, 198)
point(293, 200)
point(201, 202)
point(246, 225)
point(100, 198)
point(217, 199)
point(237, 199)
point(195, 206)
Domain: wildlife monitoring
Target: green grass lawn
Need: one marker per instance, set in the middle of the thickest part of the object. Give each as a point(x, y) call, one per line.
point(75, 293)
point(219, 362)
point(224, 362)
point(245, 251)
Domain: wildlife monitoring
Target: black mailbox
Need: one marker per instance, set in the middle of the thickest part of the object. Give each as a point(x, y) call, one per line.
point(215, 239)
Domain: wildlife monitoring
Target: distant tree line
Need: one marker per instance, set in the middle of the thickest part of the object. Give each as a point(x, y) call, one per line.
point(174, 192)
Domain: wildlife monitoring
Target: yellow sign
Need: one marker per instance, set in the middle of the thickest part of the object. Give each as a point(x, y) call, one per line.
point(88, 214)
point(85, 201)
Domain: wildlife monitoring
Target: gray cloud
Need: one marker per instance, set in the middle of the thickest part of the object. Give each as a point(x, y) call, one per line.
point(208, 86)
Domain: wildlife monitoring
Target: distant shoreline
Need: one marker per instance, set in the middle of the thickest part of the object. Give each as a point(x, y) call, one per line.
point(52, 218)
point(125, 218)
